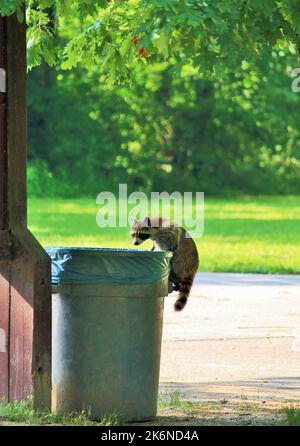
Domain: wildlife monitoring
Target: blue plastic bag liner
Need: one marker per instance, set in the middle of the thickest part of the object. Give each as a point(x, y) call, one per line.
point(108, 265)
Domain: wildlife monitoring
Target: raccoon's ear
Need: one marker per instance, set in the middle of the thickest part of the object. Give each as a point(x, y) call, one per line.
point(133, 221)
point(146, 222)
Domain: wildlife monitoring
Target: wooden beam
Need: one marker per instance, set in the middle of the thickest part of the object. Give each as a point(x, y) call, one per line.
point(5, 245)
point(3, 128)
point(25, 288)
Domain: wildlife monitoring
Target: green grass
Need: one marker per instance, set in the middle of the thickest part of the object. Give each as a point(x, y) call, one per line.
point(250, 234)
point(293, 417)
point(173, 400)
point(173, 410)
point(22, 411)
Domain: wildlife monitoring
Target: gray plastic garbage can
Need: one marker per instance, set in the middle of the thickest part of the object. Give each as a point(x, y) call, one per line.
point(107, 328)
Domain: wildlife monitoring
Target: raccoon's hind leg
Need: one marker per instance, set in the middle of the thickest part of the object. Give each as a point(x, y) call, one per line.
point(176, 286)
point(174, 282)
point(173, 286)
point(184, 292)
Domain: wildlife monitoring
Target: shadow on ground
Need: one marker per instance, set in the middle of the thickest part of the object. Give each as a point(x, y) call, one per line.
point(221, 413)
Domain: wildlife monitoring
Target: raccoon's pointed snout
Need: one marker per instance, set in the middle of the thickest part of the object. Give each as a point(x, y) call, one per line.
point(136, 243)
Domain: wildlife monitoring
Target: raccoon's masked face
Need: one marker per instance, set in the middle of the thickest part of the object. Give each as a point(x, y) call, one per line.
point(140, 230)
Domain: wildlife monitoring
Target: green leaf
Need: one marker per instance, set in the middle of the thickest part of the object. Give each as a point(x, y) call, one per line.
point(127, 45)
point(44, 4)
point(20, 14)
point(34, 57)
point(266, 7)
point(162, 44)
point(49, 51)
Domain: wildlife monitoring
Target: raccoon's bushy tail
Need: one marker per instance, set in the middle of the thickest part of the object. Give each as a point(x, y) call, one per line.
point(184, 292)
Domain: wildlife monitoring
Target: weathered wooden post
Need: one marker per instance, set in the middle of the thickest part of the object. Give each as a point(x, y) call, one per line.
point(25, 288)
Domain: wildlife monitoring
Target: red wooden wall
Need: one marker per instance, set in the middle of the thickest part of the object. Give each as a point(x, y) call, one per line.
point(25, 288)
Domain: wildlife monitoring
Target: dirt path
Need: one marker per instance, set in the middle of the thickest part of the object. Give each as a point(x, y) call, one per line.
point(222, 413)
point(238, 340)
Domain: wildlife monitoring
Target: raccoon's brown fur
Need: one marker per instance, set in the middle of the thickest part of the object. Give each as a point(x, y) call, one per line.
point(167, 235)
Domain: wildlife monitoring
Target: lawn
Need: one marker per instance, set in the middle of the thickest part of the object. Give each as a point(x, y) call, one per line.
point(250, 234)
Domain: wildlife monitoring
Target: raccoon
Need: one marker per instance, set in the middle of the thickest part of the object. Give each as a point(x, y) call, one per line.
point(168, 236)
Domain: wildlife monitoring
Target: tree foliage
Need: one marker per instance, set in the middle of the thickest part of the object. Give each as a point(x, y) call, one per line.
point(173, 94)
point(115, 34)
point(165, 132)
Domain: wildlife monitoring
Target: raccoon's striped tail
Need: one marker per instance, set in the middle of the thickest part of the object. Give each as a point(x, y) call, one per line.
point(184, 292)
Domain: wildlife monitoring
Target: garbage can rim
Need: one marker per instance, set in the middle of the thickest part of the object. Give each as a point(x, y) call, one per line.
point(108, 250)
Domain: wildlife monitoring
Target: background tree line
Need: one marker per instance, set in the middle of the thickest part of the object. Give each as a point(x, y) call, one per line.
point(233, 131)
point(162, 94)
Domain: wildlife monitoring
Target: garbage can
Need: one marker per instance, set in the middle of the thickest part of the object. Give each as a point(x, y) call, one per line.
point(107, 309)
